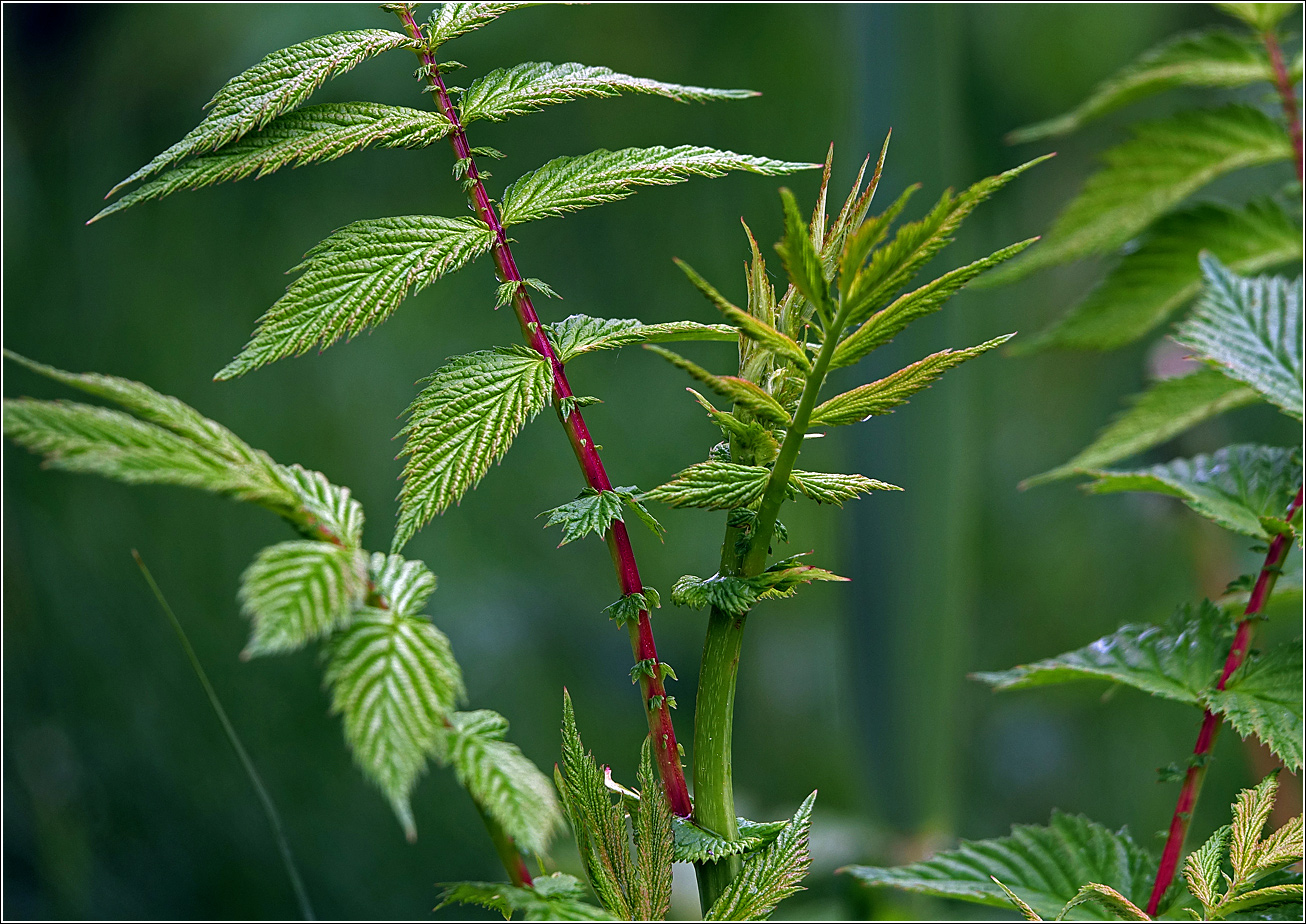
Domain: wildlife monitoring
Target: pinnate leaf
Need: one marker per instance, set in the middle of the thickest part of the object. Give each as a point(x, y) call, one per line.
point(770, 876)
point(355, 279)
point(1251, 329)
point(567, 184)
point(465, 418)
point(1045, 866)
point(1166, 409)
point(298, 592)
point(579, 334)
point(1235, 486)
point(528, 87)
point(280, 82)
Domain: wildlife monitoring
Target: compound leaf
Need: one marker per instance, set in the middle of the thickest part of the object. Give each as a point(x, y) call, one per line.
point(355, 279)
point(567, 184)
point(770, 876)
point(465, 418)
point(579, 334)
point(752, 327)
point(297, 592)
point(714, 485)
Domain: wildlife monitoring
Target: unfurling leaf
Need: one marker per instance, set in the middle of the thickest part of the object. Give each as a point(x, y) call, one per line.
point(629, 606)
point(465, 418)
point(801, 261)
point(752, 327)
point(1121, 908)
point(355, 279)
point(1251, 329)
point(770, 876)
point(739, 390)
point(297, 592)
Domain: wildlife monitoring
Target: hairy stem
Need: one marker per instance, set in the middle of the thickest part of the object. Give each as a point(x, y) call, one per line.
point(1283, 83)
point(1210, 729)
point(665, 749)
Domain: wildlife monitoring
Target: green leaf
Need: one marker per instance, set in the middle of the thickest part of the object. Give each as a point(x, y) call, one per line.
point(753, 328)
point(629, 606)
point(1120, 908)
point(394, 682)
point(555, 897)
point(892, 391)
point(567, 184)
point(771, 876)
point(297, 592)
point(1209, 58)
point(755, 442)
point(280, 82)
point(739, 390)
point(313, 134)
point(833, 488)
point(801, 261)
point(715, 485)
point(1165, 162)
point(1262, 17)
point(1234, 486)
point(450, 20)
point(696, 844)
point(404, 585)
point(326, 510)
point(355, 279)
point(1044, 865)
point(887, 323)
point(531, 86)
point(1022, 906)
point(1264, 698)
point(1285, 893)
point(1251, 329)
point(591, 512)
point(1178, 661)
point(1202, 868)
point(501, 780)
point(915, 244)
point(736, 595)
point(579, 334)
point(466, 417)
point(630, 497)
point(651, 822)
point(1166, 409)
point(1150, 283)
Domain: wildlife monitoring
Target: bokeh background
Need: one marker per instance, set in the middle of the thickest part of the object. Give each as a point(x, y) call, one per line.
point(122, 798)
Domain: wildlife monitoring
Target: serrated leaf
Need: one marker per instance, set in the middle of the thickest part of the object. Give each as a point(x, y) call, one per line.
point(1250, 328)
point(465, 418)
point(651, 823)
point(1260, 16)
point(1285, 893)
point(756, 442)
point(696, 844)
point(311, 135)
point(733, 595)
point(752, 327)
point(394, 682)
point(450, 20)
point(555, 897)
point(1165, 162)
point(298, 592)
point(1151, 283)
point(1178, 661)
point(1202, 868)
point(1121, 908)
point(882, 396)
point(531, 86)
point(894, 265)
point(504, 784)
point(1044, 865)
point(1251, 812)
point(404, 585)
point(1166, 409)
point(326, 510)
point(1263, 698)
point(887, 323)
point(835, 488)
point(771, 876)
point(355, 279)
point(567, 184)
point(630, 496)
point(1208, 58)
point(579, 334)
point(1028, 913)
point(280, 82)
point(1234, 486)
point(715, 485)
point(592, 512)
point(739, 390)
point(801, 261)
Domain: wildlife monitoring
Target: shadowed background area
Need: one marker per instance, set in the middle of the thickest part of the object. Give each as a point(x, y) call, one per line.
point(121, 797)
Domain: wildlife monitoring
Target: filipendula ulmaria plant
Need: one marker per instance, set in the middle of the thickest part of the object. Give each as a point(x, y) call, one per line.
point(1246, 335)
point(472, 406)
point(845, 298)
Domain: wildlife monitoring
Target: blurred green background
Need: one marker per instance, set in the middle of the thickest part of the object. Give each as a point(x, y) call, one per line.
point(121, 797)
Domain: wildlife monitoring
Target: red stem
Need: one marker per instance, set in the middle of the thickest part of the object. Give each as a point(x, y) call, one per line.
point(1284, 85)
point(661, 731)
point(1242, 640)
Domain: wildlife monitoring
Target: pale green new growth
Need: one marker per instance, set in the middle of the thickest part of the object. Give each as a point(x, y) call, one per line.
point(356, 278)
point(741, 391)
point(1166, 162)
point(771, 876)
point(404, 585)
point(1151, 283)
point(1121, 908)
point(298, 592)
point(725, 485)
point(1045, 866)
point(749, 326)
point(579, 334)
point(594, 511)
point(465, 418)
point(835, 487)
point(737, 595)
point(567, 184)
point(531, 86)
point(311, 135)
point(1251, 329)
point(1209, 58)
point(1263, 698)
point(1166, 409)
point(503, 783)
point(278, 83)
point(1235, 486)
